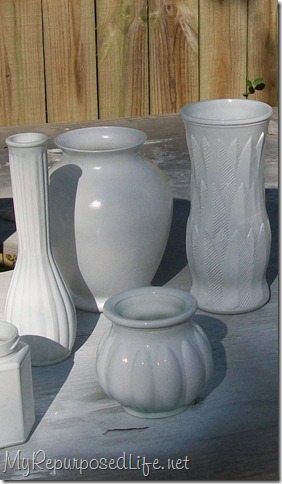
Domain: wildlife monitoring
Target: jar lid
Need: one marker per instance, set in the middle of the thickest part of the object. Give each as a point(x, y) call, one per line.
point(9, 338)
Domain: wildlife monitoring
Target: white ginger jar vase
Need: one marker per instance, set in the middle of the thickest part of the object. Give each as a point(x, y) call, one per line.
point(38, 302)
point(110, 213)
point(153, 360)
point(17, 414)
point(228, 231)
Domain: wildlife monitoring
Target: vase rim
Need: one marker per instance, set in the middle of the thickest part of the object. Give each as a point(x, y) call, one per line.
point(226, 112)
point(26, 140)
point(101, 139)
point(9, 337)
point(150, 307)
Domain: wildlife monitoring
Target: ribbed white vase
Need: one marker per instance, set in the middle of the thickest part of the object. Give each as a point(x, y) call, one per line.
point(38, 302)
point(228, 231)
point(154, 360)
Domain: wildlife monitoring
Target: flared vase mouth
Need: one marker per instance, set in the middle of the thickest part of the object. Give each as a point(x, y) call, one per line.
point(226, 112)
point(9, 337)
point(26, 140)
point(150, 307)
point(101, 139)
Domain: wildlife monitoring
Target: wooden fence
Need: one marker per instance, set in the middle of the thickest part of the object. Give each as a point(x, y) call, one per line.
point(75, 60)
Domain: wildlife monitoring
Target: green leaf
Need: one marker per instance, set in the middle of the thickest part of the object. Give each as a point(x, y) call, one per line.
point(251, 90)
point(257, 81)
point(260, 87)
point(248, 83)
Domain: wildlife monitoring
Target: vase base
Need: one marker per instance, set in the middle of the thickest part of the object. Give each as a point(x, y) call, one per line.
point(235, 310)
point(44, 351)
point(88, 304)
point(169, 413)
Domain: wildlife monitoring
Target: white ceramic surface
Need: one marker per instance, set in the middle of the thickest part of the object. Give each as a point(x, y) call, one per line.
point(16, 394)
point(38, 302)
point(154, 360)
point(228, 231)
point(110, 213)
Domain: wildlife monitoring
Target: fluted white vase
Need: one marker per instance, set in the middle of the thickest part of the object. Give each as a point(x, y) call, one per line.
point(228, 231)
point(153, 360)
point(38, 302)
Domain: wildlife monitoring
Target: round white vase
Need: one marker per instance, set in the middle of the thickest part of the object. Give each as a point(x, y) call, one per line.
point(228, 231)
point(154, 360)
point(110, 213)
point(38, 302)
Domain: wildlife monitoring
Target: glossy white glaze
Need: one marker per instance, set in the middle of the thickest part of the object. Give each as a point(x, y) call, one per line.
point(154, 360)
point(16, 394)
point(38, 302)
point(110, 213)
point(228, 231)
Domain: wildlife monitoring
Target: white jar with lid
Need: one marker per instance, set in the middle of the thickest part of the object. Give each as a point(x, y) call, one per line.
point(16, 393)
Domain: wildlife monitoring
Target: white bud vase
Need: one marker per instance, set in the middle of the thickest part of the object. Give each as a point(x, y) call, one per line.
point(38, 303)
point(154, 360)
point(228, 231)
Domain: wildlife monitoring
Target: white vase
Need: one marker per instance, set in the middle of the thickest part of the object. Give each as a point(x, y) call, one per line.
point(154, 360)
point(38, 302)
point(228, 231)
point(110, 213)
point(16, 392)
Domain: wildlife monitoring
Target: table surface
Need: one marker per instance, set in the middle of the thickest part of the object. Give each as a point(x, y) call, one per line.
point(232, 431)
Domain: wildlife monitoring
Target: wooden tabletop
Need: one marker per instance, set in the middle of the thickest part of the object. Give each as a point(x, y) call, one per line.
point(232, 431)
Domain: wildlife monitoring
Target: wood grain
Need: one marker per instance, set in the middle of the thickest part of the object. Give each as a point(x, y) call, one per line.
point(173, 40)
point(122, 46)
point(22, 97)
point(223, 48)
point(263, 47)
point(153, 56)
point(70, 59)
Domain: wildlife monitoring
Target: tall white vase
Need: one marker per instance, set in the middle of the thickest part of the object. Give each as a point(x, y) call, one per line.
point(110, 213)
point(38, 302)
point(228, 231)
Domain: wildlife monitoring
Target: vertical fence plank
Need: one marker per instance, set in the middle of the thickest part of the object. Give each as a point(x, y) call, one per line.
point(122, 45)
point(263, 47)
point(173, 38)
point(70, 59)
point(223, 48)
point(22, 96)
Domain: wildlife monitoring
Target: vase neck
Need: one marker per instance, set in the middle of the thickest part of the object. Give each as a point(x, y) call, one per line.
point(29, 176)
point(100, 157)
point(102, 141)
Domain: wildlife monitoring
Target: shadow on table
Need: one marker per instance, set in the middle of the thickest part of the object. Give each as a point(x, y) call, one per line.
point(271, 200)
point(48, 380)
point(63, 188)
point(7, 220)
point(174, 258)
point(216, 331)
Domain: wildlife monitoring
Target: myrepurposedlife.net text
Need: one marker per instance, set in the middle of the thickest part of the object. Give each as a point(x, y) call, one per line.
point(39, 461)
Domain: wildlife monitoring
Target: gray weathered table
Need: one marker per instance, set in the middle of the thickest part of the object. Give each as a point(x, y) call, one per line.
point(231, 432)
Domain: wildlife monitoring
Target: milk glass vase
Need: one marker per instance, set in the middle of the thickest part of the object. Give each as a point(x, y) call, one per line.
point(110, 213)
point(228, 231)
point(154, 360)
point(38, 302)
